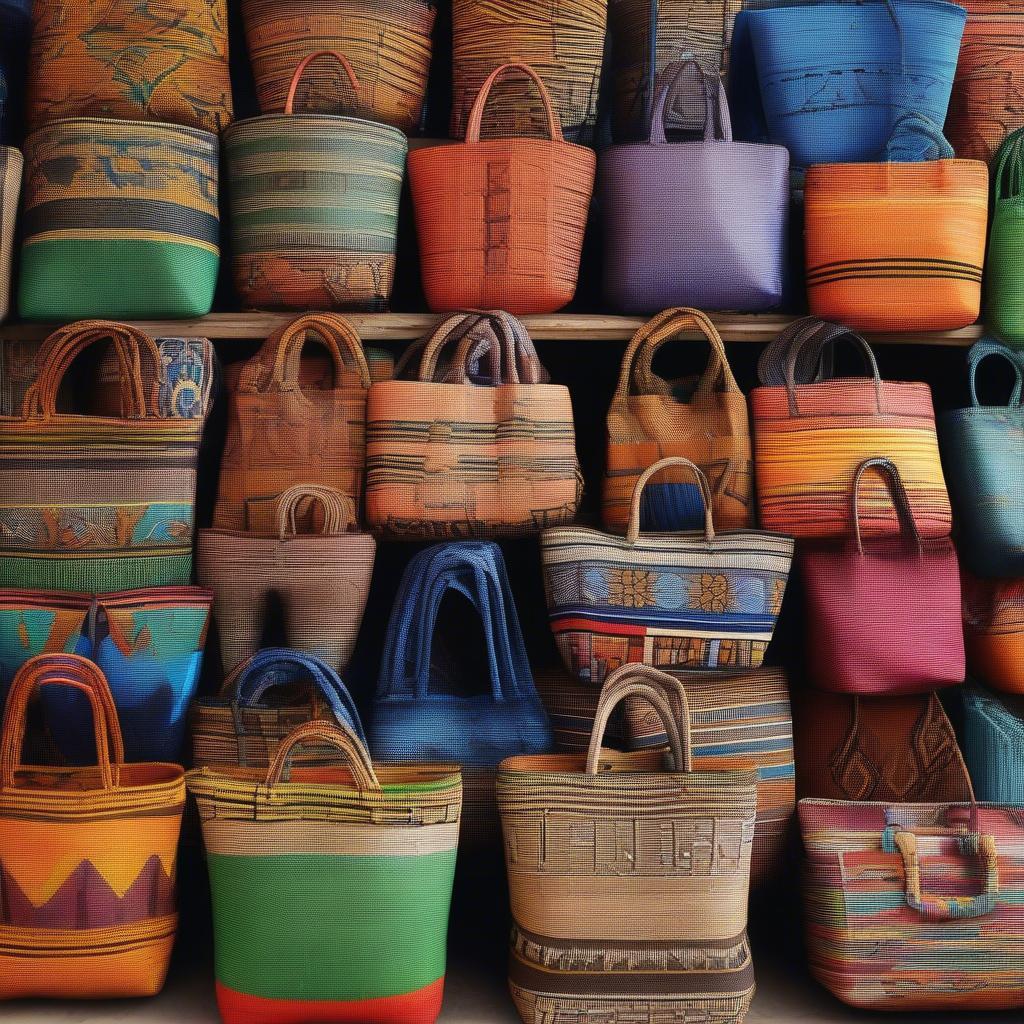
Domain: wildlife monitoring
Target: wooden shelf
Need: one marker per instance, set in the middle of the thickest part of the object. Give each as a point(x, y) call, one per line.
point(555, 327)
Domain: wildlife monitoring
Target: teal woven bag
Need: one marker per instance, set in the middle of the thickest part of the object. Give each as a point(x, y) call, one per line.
point(983, 457)
point(994, 745)
point(1004, 271)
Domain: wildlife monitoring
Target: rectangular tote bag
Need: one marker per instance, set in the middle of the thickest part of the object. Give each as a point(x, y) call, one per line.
point(96, 503)
point(87, 855)
point(671, 600)
point(618, 862)
point(11, 166)
point(330, 886)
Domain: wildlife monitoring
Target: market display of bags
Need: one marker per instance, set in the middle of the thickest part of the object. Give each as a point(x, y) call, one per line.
point(314, 204)
point(132, 60)
point(672, 600)
point(87, 855)
point(650, 420)
point(330, 886)
point(259, 705)
point(811, 435)
point(1004, 307)
point(456, 459)
point(934, 889)
point(500, 221)
point(96, 503)
point(11, 166)
point(994, 744)
point(387, 41)
point(594, 886)
point(994, 631)
point(698, 223)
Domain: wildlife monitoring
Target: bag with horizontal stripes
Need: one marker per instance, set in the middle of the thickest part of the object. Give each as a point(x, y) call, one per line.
point(131, 60)
point(314, 205)
point(331, 886)
point(11, 165)
point(281, 434)
point(261, 702)
point(671, 600)
point(387, 41)
point(87, 855)
point(97, 504)
point(1004, 271)
point(924, 277)
point(915, 906)
point(453, 457)
point(704, 419)
point(994, 631)
point(608, 921)
point(119, 219)
point(994, 744)
point(813, 429)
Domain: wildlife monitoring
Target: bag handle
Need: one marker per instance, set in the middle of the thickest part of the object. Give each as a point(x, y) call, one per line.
point(911, 128)
point(673, 689)
point(74, 672)
point(890, 474)
point(300, 70)
point(625, 682)
point(1008, 177)
point(335, 734)
point(472, 349)
point(339, 510)
point(633, 530)
point(813, 341)
point(476, 112)
point(717, 124)
point(979, 352)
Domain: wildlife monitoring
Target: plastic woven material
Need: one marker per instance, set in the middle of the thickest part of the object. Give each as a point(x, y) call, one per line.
point(935, 889)
point(11, 165)
point(387, 41)
point(119, 219)
point(994, 631)
point(87, 856)
point(500, 222)
point(592, 885)
point(96, 503)
point(675, 600)
point(314, 206)
point(331, 886)
point(994, 744)
point(1004, 306)
point(15, 34)
point(131, 60)
point(811, 435)
point(648, 422)
point(696, 223)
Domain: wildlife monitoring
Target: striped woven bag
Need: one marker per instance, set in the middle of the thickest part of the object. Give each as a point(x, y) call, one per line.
point(994, 631)
point(87, 855)
point(97, 504)
point(119, 219)
point(11, 165)
point(596, 892)
point(314, 206)
point(812, 430)
point(994, 744)
point(671, 600)
point(915, 906)
point(331, 886)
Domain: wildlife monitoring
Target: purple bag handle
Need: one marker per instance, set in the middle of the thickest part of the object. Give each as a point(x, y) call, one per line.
point(717, 124)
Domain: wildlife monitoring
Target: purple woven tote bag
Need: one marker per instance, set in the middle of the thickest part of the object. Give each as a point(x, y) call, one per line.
point(699, 223)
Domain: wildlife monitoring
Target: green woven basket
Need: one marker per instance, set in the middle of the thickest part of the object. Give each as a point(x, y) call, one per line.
point(1004, 272)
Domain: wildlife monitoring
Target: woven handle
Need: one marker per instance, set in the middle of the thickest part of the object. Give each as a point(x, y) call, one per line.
point(673, 690)
point(633, 529)
point(717, 124)
point(979, 352)
point(293, 88)
point(334, 332)
point(815, 342)
point(337, 735)
point(890, 474)
point(76, 673)
point(1008, 175)
point(476, 113)
point(517, 359)
point(339, 510)
point(474, 343)
point(909, 132)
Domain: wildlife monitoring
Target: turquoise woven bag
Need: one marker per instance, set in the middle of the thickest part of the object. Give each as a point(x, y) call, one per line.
point(994, 745)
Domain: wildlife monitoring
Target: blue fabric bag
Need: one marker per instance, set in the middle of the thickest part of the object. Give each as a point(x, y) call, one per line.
point(994, 745)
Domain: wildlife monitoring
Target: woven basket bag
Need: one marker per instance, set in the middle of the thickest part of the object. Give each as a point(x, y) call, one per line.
point(500, 222)
point(647, 422)
point(314, 206)
point(994, 744)
point(130, 60)
point(671, 600)
point(321, 578)
point(1004, 270)
point(120, 220)
point(87, 855)
point(11, 166)
point(387, 41)
point(97, 504)
point(331, 886)
point(994, 631)
point(595, 891)
point(281, 434)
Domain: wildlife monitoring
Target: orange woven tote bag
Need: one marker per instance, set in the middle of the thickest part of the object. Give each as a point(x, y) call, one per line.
point(281, 434)
point(87, 855)
point(500, 222)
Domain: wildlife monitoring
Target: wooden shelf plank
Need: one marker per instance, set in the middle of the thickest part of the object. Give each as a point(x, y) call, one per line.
point(554, 327)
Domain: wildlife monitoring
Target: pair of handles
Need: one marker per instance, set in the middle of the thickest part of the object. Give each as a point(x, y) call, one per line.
point(717, 124)
point(982, 350)
point(338, 510)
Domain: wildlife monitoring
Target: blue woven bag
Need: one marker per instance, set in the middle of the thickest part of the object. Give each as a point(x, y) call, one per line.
point(983, 457)
point(994, 745)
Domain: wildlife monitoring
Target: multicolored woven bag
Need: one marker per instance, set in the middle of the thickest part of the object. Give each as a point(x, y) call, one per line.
point(1004, 270)
point(915, 906)
point(314, 205)
point(87, 855)
point(331, 886)
point(11, 165)
point(994, 744)
point(130, 60)
point(97, 504)
point(994, 631)
point(119, 219)
point(672, 600)
point(616, 861)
